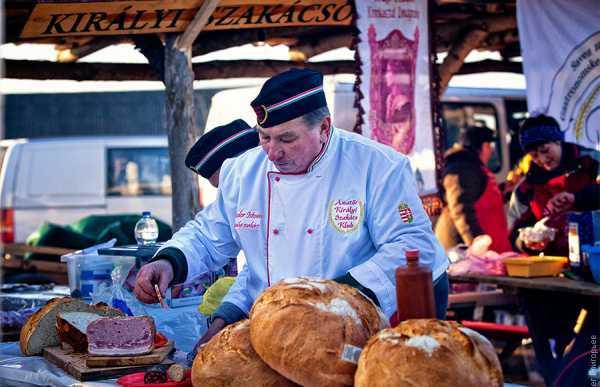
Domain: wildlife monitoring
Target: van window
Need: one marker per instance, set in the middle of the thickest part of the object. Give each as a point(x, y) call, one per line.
point(458, 115)
point(138, 172)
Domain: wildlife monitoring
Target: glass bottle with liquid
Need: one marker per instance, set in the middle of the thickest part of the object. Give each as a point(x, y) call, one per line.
point(414, 289)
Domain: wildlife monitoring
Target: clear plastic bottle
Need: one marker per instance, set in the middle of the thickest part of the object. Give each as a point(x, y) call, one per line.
point(146, 230)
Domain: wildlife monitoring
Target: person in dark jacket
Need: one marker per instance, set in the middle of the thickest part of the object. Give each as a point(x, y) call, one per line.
point(562, 177)
point(473, 201)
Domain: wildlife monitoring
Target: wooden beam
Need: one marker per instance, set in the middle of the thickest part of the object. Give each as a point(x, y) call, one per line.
point(218, 40)
point(22, 69)
point(302, 52)
point(511, 51)
point(181, 130)
point(447, 34)
point(490, 65)
point(472, 39)
point(457, 54)
point(497, 41)
point(187, 38)
point(475, 2)
point(73, 54)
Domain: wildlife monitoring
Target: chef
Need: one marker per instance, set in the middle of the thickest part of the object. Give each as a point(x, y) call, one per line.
point(314, 201)
point(215, 146)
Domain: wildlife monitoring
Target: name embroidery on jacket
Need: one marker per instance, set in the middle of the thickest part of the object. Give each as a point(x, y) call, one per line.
point(247, 220)
point(346, 215)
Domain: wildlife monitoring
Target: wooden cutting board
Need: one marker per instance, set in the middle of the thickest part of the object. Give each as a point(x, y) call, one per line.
point(154, 357)
point(105, 367)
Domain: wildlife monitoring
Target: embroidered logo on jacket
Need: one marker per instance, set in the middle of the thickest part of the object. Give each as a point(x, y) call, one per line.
point(406, 213)
point(346, 215)
point(247, 220)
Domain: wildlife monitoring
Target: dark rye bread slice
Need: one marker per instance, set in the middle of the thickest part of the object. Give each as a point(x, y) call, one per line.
point(40, 331)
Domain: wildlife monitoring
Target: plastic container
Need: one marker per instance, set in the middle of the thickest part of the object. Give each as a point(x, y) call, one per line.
point(414, 289)
point(87, 271)
point(146, 230)
point(592, 255)
point(535, 266)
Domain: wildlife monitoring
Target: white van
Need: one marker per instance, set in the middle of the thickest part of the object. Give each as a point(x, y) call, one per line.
point(63, 179)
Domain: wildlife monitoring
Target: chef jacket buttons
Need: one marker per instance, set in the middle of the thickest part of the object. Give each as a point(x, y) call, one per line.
point(275, 231)
point(309, 231)
point(277, 178)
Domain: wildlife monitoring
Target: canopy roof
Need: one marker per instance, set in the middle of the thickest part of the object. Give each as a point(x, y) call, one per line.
point(310, 27)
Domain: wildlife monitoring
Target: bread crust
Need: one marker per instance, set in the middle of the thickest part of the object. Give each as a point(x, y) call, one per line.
point(34, 320)
point(300, 326)
point(228, 359)
point(428, 353)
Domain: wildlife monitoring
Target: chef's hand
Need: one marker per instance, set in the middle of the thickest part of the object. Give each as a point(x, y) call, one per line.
point(560, 202)
point(215, 327)
point(158, 272)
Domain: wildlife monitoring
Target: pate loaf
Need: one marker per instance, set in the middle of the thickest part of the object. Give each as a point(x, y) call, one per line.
point(71, 326)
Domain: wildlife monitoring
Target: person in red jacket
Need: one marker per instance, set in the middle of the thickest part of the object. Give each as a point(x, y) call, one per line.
point(563, 177)
point(474, 204)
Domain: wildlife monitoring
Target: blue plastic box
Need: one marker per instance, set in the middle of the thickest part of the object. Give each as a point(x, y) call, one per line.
point(593, 258)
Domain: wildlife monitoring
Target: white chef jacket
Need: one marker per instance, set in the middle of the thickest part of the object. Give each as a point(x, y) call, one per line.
point(355, 210)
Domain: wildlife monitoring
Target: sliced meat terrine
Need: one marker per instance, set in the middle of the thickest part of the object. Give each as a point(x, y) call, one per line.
point(121, 336)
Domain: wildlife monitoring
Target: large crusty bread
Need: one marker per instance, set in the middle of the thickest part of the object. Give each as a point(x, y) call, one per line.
point(301, 326)
point(228, 359)
point(40, 330)
point(428, 353)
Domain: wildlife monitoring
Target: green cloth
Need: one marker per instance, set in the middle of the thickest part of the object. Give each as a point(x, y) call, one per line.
point(214, 295)
point(88, 231)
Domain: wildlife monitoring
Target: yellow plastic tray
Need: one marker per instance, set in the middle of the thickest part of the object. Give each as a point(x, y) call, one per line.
point(535, 266)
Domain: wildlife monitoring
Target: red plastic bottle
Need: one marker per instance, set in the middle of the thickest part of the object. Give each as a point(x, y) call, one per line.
point(414, 289)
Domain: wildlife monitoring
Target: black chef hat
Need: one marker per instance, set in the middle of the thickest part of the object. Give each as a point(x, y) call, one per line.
point(219, 144)
point(289, 95)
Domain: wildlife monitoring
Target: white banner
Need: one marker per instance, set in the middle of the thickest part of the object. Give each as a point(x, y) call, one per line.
point(560, 42)
point(394, 52)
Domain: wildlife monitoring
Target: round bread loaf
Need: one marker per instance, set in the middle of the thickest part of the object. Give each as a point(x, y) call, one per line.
point(428, 353)
point(301, 327)
point(229, 360)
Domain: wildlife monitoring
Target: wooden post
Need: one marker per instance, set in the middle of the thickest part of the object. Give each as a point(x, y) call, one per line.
point(179, 90)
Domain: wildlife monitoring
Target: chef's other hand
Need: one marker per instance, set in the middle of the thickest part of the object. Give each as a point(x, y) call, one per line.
point(560, 202)
point(158, 272)
point(214, 328)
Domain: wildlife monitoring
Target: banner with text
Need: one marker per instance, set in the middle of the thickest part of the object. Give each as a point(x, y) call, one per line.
point(560, 43)
point(394, 55)
point(143, 17)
